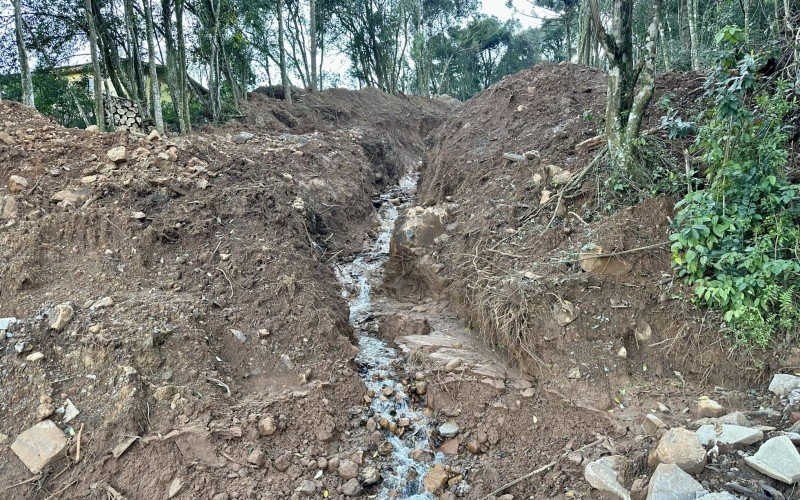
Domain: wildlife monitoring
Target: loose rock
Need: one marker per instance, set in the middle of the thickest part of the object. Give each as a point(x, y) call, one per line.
point(62, 315)
point(347, 469)
point(435, 479)
point(734, 435)
point(117, 154)
point(778, 459)
point(707, 407)
point(17, 184)
point(783, 384)
point(669, 482)
point(681, 447)
point(603, 475)
point(352, 488)
point(448, 429)
point(40, 445)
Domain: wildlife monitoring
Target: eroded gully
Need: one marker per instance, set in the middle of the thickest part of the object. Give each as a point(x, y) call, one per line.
point(404, 425)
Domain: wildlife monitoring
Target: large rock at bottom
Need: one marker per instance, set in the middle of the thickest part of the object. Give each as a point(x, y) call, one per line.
point(40, 445)
point(723, 495)
point(782, 384)
point(670, 482)
point(733, 435)
point(603, 475)
point(681, 447)
point(778, 459)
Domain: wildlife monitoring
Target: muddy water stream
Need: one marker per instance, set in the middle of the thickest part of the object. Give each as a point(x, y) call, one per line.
point(381, 364)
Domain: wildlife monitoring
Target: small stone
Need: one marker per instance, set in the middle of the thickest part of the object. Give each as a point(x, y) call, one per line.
point(421, 455)
point(473, 447)
point(642, 331)
point(17, 184)
point(153, 135)
point(93, 129)
point(347, 469)
point(103, 303)
point(266, 426)
point(652, 424)
point(531, 155)
point(307, 488)
point(622, 353)
point(435, 479)
point(369, 475)
point(117, 154)
point(283, 461)
point(707, 407)
point(138, 216)
point(242, 137)
point(448, 430)
point(352, 488)
point(449, 447)
point(663, 408)
point(733, 435)
point(241, 337)
point(778, 459)
point(174, 487)
point(783, 384)
point(40, 445)
point(453, 364)
point(670, 482)
point(257, 457)
point(574, 373)
point(561, 177)
point(62, 315)
point(513, 157)
point(287, 177)
point(681, 447)
point(603, 475)
point(70, 411)
point(44, 410)
point(34, 357)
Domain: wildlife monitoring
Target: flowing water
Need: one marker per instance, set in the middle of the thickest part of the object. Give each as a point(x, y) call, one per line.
point(379, 362)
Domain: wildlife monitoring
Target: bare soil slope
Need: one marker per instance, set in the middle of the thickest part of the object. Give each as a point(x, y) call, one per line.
point(208, 334)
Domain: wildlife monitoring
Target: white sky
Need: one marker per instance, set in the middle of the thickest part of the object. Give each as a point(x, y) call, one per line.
point(521, 11)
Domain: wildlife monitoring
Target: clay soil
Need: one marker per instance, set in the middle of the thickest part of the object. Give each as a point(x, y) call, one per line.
point(602, 348)
point(215, 252)
point(192, 238)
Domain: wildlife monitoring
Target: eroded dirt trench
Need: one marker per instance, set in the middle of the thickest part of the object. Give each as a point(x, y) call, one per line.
point(273, 311)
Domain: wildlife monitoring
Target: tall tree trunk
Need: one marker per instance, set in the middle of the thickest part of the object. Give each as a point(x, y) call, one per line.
point(155, 86)
point(97, 74)
point(183, 77)
point(312, 37)
point(585, 35)
point(287, 91)
point(134, 56)
point(694, 48)
point(746, 9)
point(625, 106)
point(25, 70)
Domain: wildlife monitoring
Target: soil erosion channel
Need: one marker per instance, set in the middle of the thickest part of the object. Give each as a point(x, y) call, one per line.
point(405, 425)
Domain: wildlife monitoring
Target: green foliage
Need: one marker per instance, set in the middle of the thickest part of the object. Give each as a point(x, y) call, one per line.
point(737, 242)
point(55, 96)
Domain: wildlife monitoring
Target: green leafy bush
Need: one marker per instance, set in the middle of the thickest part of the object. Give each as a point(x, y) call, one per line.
point(737, 242)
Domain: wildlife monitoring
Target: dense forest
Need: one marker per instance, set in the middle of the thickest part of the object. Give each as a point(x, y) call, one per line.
point(214, 51)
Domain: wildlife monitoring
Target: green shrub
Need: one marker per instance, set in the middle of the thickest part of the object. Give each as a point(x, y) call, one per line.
point(737, 242)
